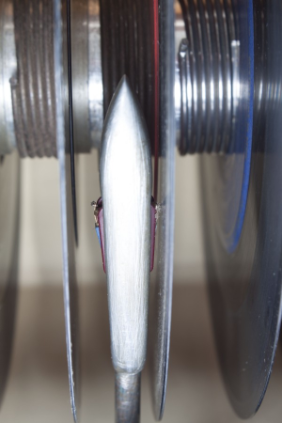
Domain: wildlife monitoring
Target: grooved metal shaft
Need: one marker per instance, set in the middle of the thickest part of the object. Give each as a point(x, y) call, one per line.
point(33, 92)
point(208, 65)
point(32, 82)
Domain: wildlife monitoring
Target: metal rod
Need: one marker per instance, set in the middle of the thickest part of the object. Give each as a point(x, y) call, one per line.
point(128, 397)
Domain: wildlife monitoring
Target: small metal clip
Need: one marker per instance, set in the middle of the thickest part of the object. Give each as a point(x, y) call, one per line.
point(94, 204)
point(97, 206)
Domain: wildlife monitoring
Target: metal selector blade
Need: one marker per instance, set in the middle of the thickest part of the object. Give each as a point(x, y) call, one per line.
point(126, 189)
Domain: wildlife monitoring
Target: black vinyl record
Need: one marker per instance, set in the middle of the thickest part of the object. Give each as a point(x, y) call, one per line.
point(244, 267)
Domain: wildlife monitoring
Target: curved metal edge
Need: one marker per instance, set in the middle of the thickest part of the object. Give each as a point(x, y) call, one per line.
point(161, 295)
point(69, 279)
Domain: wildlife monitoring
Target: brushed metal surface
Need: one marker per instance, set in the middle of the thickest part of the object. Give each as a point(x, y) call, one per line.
point(126, 190)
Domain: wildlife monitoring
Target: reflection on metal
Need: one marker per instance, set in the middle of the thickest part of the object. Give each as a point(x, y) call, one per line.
point(126, 182)
point(8, 69)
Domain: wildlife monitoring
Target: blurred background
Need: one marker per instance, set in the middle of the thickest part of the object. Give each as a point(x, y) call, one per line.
point(37, 389)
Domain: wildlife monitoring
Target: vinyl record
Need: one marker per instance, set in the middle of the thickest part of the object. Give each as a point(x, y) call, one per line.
point(243, 225)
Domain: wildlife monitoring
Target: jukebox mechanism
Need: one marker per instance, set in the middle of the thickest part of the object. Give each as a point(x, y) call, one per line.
point(142, 81)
